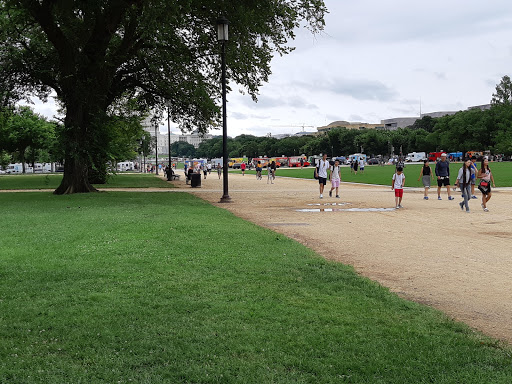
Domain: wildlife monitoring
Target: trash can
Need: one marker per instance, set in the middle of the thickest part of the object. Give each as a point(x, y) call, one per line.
point(195, 180)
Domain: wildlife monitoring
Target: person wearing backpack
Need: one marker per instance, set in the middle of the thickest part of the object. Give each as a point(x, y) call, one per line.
point(321, 174)
point(335, 178)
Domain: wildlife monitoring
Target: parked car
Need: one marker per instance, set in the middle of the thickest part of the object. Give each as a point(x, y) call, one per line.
point(373, 161)
point(237, 165)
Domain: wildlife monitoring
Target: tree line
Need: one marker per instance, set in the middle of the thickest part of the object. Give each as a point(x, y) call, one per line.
point(472, 130)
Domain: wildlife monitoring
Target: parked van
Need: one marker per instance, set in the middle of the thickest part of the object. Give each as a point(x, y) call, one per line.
point(416, 156)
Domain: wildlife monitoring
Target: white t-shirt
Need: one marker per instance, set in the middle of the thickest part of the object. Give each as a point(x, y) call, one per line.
point(322, 168)
point(399, 180)
point(361, 163)
point(335, 173)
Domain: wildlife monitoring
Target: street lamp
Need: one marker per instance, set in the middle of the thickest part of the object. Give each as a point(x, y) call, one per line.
point(169, 173)
point(156, 148)
point(222, 37)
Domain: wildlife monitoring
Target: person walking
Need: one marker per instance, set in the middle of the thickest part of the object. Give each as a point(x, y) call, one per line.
point(356, 162)
point(361, 164)
point(258, 170)
point(219, 170)
point(335, 178)
point(205, 170)
point(242, 167)
point(443, 176)
point(209, 167)
point(271, 172)
point(474, 172)
point(398, 186)
point(464, 182)
point(321, 173)
point(426, 177)
point(485, 183)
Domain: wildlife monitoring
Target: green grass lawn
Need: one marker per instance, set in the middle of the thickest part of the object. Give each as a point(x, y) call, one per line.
point(52, 181)
point(374, 174)
point(151, 288)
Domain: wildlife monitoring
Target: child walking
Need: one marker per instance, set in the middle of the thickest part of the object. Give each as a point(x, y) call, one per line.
point(335, 177)
point(398, 186)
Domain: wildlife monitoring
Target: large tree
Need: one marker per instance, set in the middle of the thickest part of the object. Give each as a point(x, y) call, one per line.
point(93, 53)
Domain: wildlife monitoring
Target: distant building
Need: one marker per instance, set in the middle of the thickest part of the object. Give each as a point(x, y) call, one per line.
point(398, 122)
point(402, 122)
point(439, 114)
point(482, 107)
point(348, 125)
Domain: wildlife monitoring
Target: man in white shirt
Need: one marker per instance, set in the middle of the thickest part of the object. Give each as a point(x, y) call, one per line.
point(321, 172)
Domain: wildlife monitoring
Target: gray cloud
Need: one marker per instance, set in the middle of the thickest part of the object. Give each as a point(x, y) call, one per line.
point(360, 89)
point(292, 101)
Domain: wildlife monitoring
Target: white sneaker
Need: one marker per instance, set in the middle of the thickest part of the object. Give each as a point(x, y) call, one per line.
point(397, 207)
point(486, 209)
point(321, 196)
point(400, 206)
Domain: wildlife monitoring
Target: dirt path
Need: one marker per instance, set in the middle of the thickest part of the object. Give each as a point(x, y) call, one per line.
point(430, 251)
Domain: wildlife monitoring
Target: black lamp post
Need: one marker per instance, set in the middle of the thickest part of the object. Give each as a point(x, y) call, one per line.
point(169, 141)
point(222, 37)
point(156, 148)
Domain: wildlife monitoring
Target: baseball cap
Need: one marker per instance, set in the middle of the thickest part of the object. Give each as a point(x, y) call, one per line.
point(443, 154)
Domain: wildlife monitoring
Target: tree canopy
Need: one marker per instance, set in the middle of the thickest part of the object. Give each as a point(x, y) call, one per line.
point(160, 53)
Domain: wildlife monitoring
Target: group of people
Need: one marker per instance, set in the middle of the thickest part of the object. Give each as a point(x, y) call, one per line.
point(271, 171)
point(355, 164)
point(199, 168)
point(466, 180)
point(322, 173)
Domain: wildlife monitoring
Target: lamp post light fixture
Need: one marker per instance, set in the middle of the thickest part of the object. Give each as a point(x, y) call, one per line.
point(169, 173)
point(222, 37)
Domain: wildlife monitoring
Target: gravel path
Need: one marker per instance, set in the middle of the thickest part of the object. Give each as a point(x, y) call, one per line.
point(429, 251)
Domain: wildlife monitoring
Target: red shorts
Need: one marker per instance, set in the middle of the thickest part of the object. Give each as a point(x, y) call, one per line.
point(399, 192)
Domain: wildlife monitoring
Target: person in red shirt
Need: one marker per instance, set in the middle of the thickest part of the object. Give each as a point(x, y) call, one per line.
point(242, 167)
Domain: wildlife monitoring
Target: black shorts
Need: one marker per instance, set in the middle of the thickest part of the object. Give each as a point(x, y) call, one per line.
point(322, 180)
point(443, 181)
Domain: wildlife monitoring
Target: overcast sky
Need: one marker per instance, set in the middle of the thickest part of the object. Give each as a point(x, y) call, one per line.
point(376, 60)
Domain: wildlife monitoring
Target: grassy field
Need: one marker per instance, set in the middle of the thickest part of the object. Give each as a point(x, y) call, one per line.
point(52, 181)
point(147, 288)
point(374, 174)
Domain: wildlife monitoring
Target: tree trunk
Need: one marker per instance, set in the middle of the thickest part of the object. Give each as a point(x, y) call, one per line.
point(77, 152)
point(76, 178)
point(22, 158)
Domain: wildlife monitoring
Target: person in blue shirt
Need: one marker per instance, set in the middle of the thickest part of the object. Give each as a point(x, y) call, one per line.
point(443, 176)
point(474, 172)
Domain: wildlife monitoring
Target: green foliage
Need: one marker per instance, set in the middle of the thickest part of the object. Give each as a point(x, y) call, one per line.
point(26, 135)
point(162, 54)
point(503, 93)
point(183, 149)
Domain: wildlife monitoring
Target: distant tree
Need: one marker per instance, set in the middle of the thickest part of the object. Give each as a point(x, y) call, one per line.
point(26, 130)
point(503, 93)
point(183, 149)
point(427, 123)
